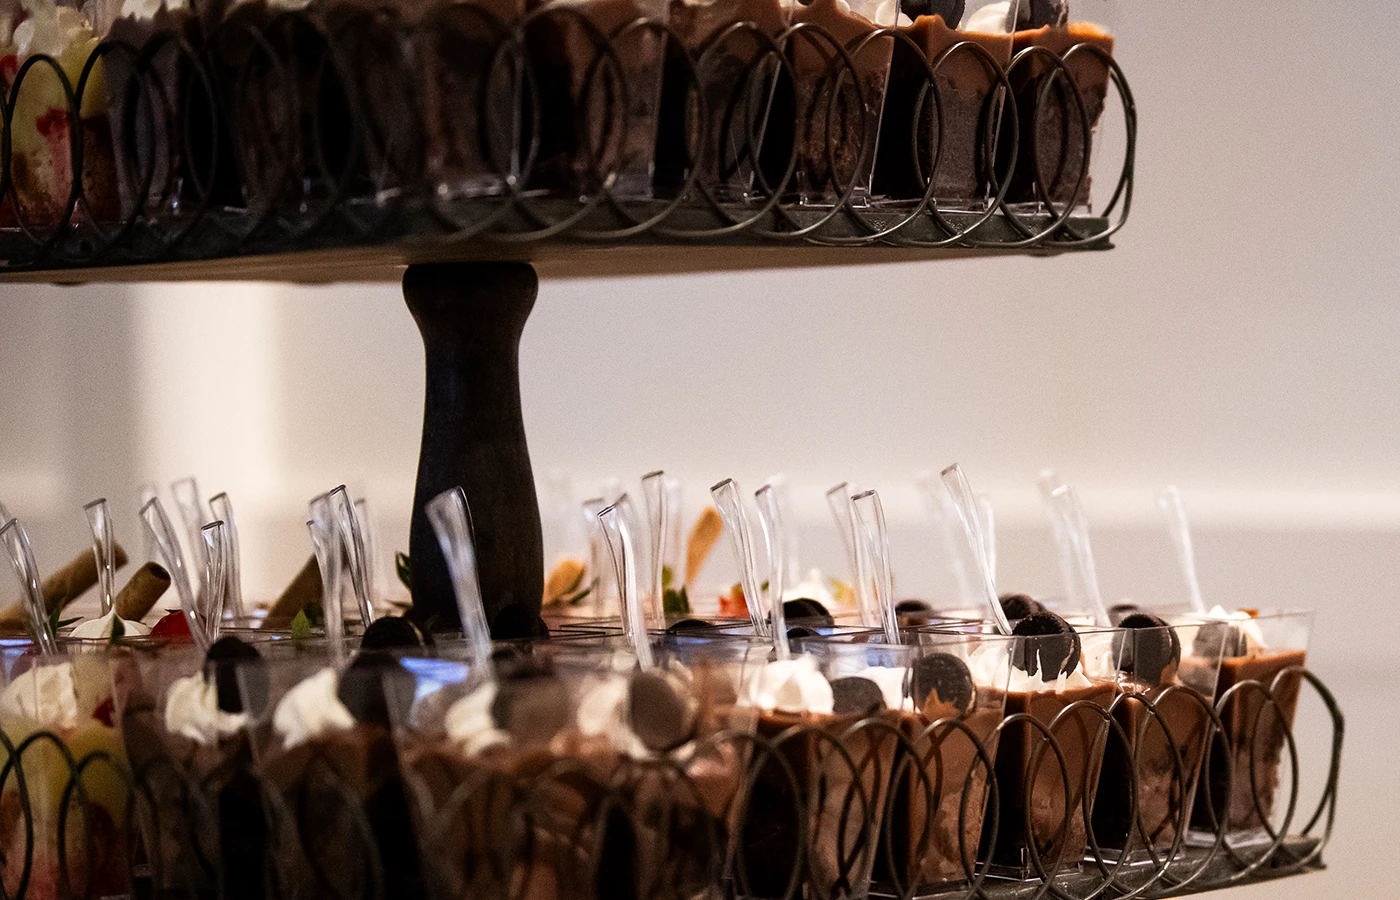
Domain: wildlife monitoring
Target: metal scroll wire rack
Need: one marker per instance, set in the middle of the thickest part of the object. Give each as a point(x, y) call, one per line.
point(796, 810)
point(477, 125)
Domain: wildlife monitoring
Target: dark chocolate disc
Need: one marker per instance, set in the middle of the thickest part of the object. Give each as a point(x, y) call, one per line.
point(910, 607)
point(687, 625)
point(517, 622)
point(950, 10)
point(1051, 646)
point(942, 678)
point(1216, 639)
point(1148, 650)
point(808, 612)
point(856, 696)
point(1048, 12)
point(1119, 611)
point(533, 708)
point(800, 631)
point(661, 713)
point(224, 660)
point(1020, 606)
point(393, 632)
point(374, 683)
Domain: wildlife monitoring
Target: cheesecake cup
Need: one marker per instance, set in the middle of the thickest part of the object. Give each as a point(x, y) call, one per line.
point(1240, 784)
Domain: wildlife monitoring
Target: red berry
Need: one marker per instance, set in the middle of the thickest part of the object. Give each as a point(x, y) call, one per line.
point(103, 713)
point(172, 625)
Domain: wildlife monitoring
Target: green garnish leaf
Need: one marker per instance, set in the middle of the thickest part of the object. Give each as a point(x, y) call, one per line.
point(576, 599)
point(675, 602)
point(301, 626)
point(667, 576)
point(315, 614)
point(404, 567)
point(64, 623)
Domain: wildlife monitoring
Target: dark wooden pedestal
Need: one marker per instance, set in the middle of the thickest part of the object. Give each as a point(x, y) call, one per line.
point(471, 316)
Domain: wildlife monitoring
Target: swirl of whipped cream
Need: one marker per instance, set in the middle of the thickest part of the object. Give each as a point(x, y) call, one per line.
point(1245, 624)
point(45, 694)
point(192, 711)
point(990, 19)
point(310, 709)
point(50, 29)
point(789, 685)
point(892, 681)
point(988, 665)
point(149, 9)
point(470, 724)
point(813, 587)
point(603, 713)
point(101, 627)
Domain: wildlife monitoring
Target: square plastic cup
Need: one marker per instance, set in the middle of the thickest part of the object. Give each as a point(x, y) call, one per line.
point(1256, 696)
point(1067, 62)
point(933, 823)
point(1168, 678)
point(49, 706)
point(945, 130)
point(571, 774)
point(596, 68)
point(733, 47)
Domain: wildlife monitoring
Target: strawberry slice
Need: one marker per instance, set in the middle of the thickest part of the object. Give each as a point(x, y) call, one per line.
point(104, 711)
point(172, 625)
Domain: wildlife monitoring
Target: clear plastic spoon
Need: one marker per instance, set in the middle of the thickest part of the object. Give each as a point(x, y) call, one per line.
point(348, 524)
point(770, 519)
point(215, 538)
point(191, 510)
point(602, 591)
point(162, 533)
point(99, 517)
point(675, 538)
point(938, 506)
point(619, 537)
point(844, 512)
point(658, 504)
point(369, 536)
point(736, 523)
point(233, 567)
point(21, 553)
point(1050, 481)
point(782, 490)
point(146, 493)
point(1077, 525)
point(451, 519)
point(870, 515)
point(965, 502)
point(326, 539)
point(1170, 503)
point(987, 521)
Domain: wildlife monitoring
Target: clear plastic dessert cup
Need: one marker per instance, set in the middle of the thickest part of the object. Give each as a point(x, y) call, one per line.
point(933, 824)
point(596, 67)
point(1256, 696)
point(733, 45)
point(1168, 679)
point(50, 705)
point(947, 131)
point(1056, 131)
point(562, 777)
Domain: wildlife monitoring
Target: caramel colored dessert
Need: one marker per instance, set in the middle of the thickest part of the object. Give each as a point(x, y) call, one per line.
point(964, 150)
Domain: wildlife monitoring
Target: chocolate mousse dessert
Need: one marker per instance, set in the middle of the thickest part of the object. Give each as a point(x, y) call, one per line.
point(1049, 673)
point(951, 137)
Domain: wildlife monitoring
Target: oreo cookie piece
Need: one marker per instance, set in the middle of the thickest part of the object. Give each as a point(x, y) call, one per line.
point(912, 607)
point(661, 712)
point(373, 683)
point(856, 696)
point(687, 625)
point(393, 632)
point(223, 661)
point(1119, 611)
point(808, 612)
point(1020, 606)
point(1047, 12)
point(1217, 639)
point(1051, 646)
point(1148, 650)
point(533, 708)
point(943, 680)
point(800, 631)
point(517, 622)
point(950, 10)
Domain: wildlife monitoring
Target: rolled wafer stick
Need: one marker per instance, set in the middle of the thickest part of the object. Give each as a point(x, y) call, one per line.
point(305, 588)
point(141, 593)
point(703, 536)
point(64, 586)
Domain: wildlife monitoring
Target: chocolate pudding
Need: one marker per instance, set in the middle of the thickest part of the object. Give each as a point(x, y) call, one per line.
point(589, 139)
point(1053, 154)
point(965, 147)
point(1255, 730)
point(736, 78)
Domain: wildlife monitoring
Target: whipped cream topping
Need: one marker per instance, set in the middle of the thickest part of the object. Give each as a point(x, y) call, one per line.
point(1096, 658)
point(102, 626)
point(192, 711)
point(603, 713)
point(990, 19)
point(813, 587)
point(1245, 624)
point(44, 694)
point(149, 9)
point(892, 681)
point(310, 709)
point(790, 685)
point(469, 722)
point(50, 29)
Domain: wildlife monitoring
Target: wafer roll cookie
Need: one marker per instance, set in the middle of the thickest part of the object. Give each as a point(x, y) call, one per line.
point(142, 592)
point(65, 585)
point(305, 588)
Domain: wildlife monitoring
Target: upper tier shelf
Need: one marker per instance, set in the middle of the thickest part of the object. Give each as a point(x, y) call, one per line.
point(341, 143)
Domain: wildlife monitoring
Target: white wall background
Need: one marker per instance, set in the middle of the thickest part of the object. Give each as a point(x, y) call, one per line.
point(1243, 340)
